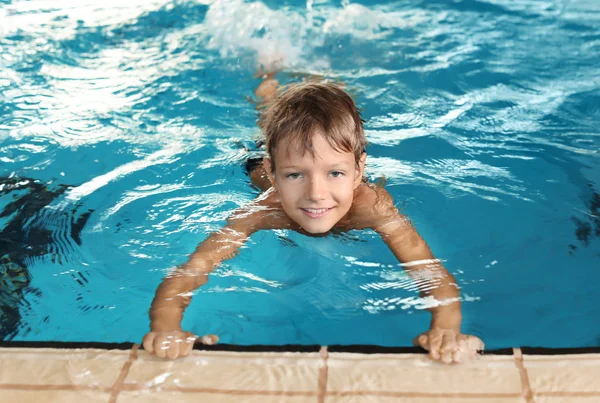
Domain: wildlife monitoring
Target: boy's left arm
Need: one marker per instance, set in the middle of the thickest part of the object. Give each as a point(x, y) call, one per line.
point(443, 340)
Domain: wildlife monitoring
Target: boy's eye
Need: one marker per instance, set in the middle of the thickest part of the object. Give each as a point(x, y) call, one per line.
point(336, 174)
point(293, 175)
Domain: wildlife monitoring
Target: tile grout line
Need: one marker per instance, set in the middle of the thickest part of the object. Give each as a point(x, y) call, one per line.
point(323, 375)
point(118, 385)
point(525, 385)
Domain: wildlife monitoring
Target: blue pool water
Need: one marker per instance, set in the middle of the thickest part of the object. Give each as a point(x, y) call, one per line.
point(125, 126)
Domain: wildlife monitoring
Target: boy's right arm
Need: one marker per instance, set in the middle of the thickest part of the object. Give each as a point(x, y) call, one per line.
point(166, 338)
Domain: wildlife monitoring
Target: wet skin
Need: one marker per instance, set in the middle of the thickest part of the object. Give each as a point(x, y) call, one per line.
point(313, 194)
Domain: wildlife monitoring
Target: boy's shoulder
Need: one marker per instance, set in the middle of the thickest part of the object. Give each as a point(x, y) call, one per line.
point(372, 206)
point(262, 213)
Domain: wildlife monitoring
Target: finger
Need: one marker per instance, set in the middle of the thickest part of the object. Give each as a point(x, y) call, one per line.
point(435, 343)
point(477, 343)
point(186, 347)
point(458, 356)
point(469, 346)
point(148, 343)
point(449, 342)
point(448, 348)
point(209, 339)
point(173, 349)
point(187, 344)
point(422, 340)
point(461, 353)
point(160, 346)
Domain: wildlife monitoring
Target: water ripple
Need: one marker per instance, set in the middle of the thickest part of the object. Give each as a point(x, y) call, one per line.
point(141, 105)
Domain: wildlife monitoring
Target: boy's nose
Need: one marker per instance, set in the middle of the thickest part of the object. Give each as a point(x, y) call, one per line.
point(317, 190)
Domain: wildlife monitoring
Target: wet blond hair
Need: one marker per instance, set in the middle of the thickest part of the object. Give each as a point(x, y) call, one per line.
point(300, 111)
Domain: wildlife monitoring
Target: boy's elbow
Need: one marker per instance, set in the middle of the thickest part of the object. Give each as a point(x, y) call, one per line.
point(187, 277)
point(196, 266)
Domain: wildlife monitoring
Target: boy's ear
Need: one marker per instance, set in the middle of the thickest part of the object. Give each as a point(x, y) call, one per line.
point(360, 169)
point(269, 170)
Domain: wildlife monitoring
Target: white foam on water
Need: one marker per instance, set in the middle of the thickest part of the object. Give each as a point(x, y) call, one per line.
point(236, 27)
point(289, 37)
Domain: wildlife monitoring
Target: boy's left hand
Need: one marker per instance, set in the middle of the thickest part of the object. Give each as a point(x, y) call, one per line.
point(449, 345)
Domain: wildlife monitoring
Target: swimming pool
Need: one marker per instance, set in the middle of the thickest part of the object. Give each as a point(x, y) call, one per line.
point(124, 130)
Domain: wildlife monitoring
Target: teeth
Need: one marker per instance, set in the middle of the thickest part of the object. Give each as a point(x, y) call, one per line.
point(316, 210)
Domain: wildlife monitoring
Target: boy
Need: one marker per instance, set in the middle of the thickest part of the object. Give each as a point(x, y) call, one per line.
point(312, 183)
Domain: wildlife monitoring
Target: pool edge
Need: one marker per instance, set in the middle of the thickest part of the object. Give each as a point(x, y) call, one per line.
point(298, 348)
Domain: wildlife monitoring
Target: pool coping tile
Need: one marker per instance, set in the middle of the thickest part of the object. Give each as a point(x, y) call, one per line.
point(326, 371)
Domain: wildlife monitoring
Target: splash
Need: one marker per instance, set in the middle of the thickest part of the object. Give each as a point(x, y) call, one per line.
point(290, 38)
point(275, 37)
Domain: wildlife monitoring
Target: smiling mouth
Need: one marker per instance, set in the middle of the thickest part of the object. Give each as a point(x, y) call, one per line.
point(316, 212)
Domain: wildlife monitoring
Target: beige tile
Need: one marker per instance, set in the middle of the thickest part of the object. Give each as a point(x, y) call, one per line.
point(183, 397)
point(486, 375)
point(53, 396)
point(83, 352)
point(567, 399)
point(422, 360)
point(399, 399)
point(562, 360)
point(573, 373)
point(569, 379)
point(228, 371)
point(97, 368)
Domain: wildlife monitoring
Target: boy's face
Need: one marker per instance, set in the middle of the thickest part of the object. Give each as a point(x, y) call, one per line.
point(315, 191)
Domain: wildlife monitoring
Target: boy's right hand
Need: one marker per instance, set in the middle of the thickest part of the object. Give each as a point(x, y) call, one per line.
point(172, 344)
